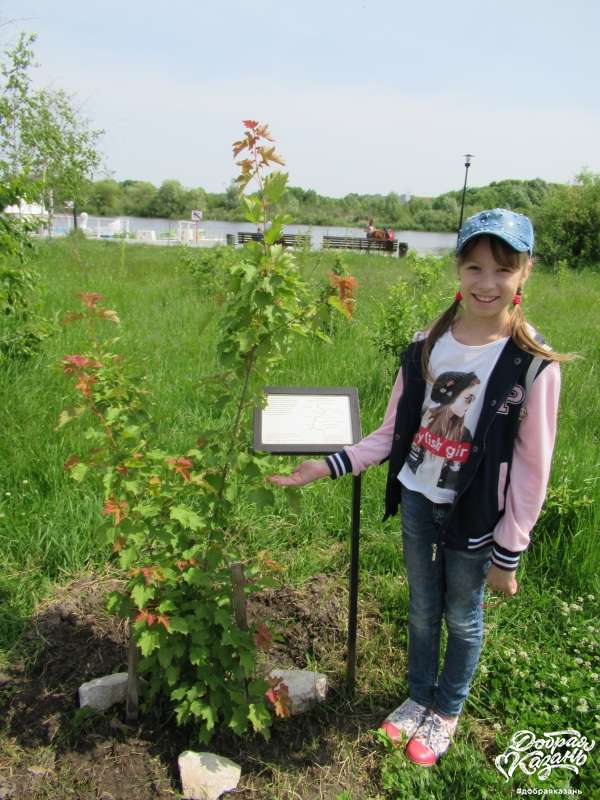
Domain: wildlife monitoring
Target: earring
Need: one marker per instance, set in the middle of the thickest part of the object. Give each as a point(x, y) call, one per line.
point(458, 297)
point(517, 297)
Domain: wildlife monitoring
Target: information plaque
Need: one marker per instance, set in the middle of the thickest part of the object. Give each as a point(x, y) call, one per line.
point(309, 420)
point(301, 420)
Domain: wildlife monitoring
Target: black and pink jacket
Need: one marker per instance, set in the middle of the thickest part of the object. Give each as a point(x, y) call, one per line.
point(502, 486)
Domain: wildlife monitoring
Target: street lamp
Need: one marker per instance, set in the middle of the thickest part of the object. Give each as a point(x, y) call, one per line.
point(467, 157)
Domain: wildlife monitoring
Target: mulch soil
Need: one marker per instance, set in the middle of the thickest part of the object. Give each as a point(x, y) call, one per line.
point(51, 749)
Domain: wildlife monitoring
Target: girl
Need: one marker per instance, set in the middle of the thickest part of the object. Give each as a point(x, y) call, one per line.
point(468, 433)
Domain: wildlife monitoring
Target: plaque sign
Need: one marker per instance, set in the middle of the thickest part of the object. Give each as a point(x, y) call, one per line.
point(305, 420)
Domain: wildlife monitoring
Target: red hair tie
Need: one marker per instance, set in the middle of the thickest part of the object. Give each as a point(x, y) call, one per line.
point(458, 297)
point(517, 300)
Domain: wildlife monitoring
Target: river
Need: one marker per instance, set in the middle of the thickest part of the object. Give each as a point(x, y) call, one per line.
point(216, 231)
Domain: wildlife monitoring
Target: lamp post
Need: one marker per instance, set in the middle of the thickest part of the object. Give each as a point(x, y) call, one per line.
point(467, 157)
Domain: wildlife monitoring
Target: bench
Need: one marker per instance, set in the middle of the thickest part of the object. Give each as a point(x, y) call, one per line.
point(364, 245)
point(287, 240)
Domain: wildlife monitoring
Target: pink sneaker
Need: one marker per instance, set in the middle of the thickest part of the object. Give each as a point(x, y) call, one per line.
point(403, 722)
point(431, 740)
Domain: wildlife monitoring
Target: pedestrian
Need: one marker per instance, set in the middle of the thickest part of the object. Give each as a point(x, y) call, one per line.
point(468, 434)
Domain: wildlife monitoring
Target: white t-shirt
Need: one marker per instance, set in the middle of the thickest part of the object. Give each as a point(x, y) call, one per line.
point(449, 416)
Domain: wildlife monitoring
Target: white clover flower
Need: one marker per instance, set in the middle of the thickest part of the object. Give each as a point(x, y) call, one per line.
point(538, 684)
point(591, 597)
point(496, 726)
point(564, 699)
point(564, 680)
point(580, 599)
point(578, 661)
point(524, 655)
point(594, 676)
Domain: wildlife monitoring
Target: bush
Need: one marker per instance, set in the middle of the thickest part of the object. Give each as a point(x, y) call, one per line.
point(568, 223)
point(412, 304)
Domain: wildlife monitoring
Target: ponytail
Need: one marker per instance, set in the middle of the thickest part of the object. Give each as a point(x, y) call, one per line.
point(437, 329)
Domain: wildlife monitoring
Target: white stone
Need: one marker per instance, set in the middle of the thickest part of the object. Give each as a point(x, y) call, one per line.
point(304, 687)
point(104, 692)
point(205, 776)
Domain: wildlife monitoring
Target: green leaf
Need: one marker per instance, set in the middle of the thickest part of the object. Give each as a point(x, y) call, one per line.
point(253, 209)
point(178, 625)
point(141, 594)
point(198, 654)
point(172, 674)
point(186, 517)
point(259, 718)
point(274, 186)
point(336, 303)
point(274, 233)
point(149, 641)
point(165, 656)
point(147, 510)
point(79, 471)
point(262, 497)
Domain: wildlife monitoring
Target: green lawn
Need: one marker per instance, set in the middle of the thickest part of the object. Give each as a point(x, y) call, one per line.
point(540, 665)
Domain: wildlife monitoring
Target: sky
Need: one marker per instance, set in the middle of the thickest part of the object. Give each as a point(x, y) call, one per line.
point(367, 96)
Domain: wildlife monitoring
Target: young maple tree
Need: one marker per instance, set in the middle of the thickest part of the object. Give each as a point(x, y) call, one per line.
point(168, 516)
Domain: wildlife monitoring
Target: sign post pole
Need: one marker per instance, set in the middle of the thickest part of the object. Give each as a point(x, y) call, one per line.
point(353, 595)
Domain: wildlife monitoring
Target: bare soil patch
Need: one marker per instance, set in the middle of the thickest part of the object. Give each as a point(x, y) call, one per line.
point(51, 749)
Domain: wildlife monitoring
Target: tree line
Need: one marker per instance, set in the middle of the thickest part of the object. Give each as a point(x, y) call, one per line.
point(171, 200)
point(50, 154)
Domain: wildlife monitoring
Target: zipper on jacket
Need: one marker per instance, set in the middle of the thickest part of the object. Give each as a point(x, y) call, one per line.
point(433, 551)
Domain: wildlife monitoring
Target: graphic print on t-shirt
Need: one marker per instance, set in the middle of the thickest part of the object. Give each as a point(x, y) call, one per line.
point(443, 441)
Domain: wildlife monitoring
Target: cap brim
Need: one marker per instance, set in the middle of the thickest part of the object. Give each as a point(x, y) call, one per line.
point(513, 241)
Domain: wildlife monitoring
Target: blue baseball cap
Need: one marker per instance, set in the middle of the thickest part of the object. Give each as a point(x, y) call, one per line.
point(515, 229)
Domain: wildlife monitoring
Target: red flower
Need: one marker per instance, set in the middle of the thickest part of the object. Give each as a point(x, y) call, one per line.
point(250, 123)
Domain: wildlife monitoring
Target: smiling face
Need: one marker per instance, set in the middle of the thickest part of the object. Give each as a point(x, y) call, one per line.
point(488, 286)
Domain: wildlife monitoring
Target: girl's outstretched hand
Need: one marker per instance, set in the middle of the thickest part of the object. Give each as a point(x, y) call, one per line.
point(502, 581)
point(306, 472)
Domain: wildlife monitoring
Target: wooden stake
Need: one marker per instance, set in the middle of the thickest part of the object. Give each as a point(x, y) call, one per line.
point(132, 707)
point(239, 596)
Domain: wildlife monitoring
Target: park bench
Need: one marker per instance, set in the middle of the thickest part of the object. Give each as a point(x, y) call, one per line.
point(287, 240)
point(364, 245)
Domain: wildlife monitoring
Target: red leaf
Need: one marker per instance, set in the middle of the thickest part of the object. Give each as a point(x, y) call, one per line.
point(89, 298)
point(119, 510)
point(279, 696)
point(182, 466)
point(250, 123)
point(71, 461)
point(263, 637)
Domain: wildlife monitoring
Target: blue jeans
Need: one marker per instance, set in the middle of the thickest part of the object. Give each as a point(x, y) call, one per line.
point(442, 582)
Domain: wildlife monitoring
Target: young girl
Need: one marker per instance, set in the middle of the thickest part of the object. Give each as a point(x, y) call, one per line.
point(468, 432)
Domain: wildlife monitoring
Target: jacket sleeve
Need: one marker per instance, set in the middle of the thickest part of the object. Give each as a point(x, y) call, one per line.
point(372, 449)
point(530, 470)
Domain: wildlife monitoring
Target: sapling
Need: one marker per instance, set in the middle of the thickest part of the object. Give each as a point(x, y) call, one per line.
point(168, 515)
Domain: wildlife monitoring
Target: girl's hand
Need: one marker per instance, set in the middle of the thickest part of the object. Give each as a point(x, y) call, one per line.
point(306, 472)
point(502, 581)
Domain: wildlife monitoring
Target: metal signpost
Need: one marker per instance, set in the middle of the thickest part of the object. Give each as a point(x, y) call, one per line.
point(196, 219)
point(301, 420)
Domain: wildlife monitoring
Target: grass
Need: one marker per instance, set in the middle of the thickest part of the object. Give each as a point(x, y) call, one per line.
point(49, 524)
